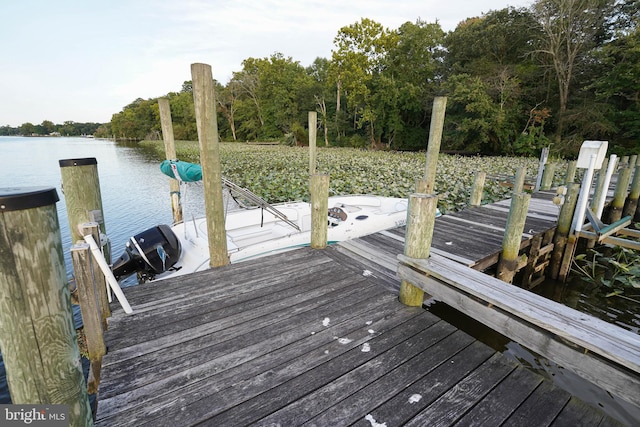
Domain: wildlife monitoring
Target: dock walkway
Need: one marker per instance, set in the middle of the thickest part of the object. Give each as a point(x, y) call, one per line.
point(311, 337)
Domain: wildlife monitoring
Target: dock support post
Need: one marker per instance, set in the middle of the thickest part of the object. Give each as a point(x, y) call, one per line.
point(37, 332)
point(620, 195)
point(313, 123)
point(81, 188)
point(633, 161)
point(319, 189)
point(541, 166)
point(170, 153)
point(631, 205)
point(206, 119)
point(478, 189)
point(563, 228)
point(518, 180)
point(421, 217)
point(88, 290)
point(100, 280)
point(571, 172)
point(510, 260)
point(599, 186)
point(547, 176)
point(435, 139)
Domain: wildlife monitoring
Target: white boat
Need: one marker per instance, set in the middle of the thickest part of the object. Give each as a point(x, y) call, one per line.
point(253, 233)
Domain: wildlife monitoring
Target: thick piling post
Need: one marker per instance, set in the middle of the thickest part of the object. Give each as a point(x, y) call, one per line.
point(421, 217)
point(313, 126)
point(86, 273)
point(563, 229)
point(547, 176)
point(510, 260)
point(571, 172)
point(518, 180)
point(81, 188)
point(631, 205)
point(101, 285)
point(205, 108)
point(170, 153)
point(620, 194)
point(319, 189)
point(478, 189)
point(37, 332)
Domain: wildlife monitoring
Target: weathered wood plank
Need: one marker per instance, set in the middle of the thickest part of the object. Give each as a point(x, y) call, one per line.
point(401, 407)
point(335, 382)
point(542, 407)
point(533, 321)
point(449, 407)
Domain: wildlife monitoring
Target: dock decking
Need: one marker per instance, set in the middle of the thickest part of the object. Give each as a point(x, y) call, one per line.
point(308, 338)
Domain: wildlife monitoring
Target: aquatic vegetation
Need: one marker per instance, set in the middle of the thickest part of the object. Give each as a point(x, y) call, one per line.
point(614, 269)
point(279, 173)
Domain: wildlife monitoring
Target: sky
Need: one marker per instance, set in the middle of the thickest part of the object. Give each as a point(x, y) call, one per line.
point(85, 60)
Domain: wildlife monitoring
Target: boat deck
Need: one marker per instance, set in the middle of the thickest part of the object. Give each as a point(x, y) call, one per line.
point(309, 337)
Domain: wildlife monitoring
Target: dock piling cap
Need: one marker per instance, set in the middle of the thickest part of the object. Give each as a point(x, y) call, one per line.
point(78, 162)
point(21, 198)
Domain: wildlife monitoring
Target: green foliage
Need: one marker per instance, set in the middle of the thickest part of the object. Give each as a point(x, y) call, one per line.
point(279, 173)
point(615, 270)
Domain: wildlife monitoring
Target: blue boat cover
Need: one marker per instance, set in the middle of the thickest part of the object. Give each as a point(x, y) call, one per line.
point(188, 172)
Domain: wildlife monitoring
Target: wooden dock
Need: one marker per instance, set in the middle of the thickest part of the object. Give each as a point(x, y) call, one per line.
point(317, 337)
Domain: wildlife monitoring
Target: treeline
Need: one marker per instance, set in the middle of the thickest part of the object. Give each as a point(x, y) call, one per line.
point(48, 128)
point(516, 79)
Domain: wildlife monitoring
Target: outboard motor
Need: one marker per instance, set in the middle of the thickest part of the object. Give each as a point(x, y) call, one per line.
point(151, 252)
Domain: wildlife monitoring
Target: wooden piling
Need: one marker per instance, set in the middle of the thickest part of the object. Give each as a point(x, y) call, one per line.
point(37, 332)
point(620, 194)
point(81, 188)
point(518, 180)
point(547, 176)
point(435, 139)
point(313, 123)
point(206, 120)
point(631, 205)
point(510, 261)
point(633, 161)
point(478, 189)
point(571, 172)
point(421, 217)
point(170, 153)
point(99, 278)
point(562, 230)
point(86, 273)
point(319, 189)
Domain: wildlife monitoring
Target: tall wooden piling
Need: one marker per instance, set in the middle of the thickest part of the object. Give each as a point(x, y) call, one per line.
point(562, 230)
point(620, 194)
point(313, 127)
point(37, 332)
point(510, 261)
point(547, 176)
point(435, 139)
point(85, 273)
point(631, 205)
point(571, 172)
point(170, 153)
point(599, 190)
point(81, 188)
point(100, 281)
point(518, 180)
point(319, 189)
point(207, 124)
point(478, 189)
point(421, 217)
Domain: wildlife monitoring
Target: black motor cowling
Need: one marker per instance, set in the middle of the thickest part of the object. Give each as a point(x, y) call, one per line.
point(151, 252)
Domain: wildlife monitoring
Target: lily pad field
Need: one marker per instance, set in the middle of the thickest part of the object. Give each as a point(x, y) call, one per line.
point(281, 173)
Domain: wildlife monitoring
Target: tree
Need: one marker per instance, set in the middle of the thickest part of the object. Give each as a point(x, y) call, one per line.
point(360, 52)
point(570, 29)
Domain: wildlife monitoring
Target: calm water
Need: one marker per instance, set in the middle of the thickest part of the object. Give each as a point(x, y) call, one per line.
point(135, 194)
